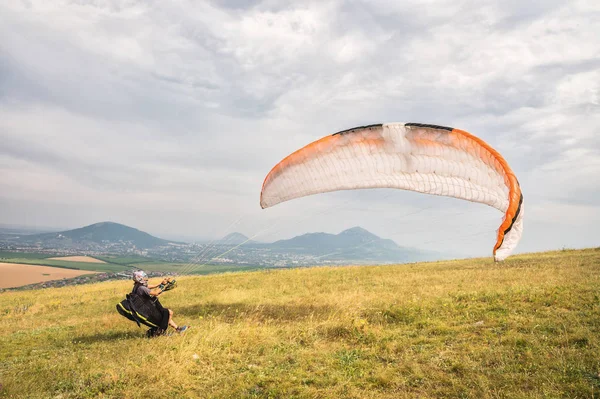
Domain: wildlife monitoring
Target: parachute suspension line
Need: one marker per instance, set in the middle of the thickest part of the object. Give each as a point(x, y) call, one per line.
point(207, 251)
point(432, 191)
point(428, 242)
point(423, 243)
point(327, 210)
point(260, 232)
point(371, 241)
point(404, 232)
point(257, 234)
point(201, 254)
point(231, 249)
point(310, 217)
point(191, 265)
point(459, 237)
point(211, 248)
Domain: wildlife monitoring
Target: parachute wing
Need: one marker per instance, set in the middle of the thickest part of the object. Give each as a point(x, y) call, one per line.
point(411, 156)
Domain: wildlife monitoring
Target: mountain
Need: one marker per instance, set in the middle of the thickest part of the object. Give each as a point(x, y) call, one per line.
point(356, 244)
point(346, 239)
point(104, 233)
point(234, 239)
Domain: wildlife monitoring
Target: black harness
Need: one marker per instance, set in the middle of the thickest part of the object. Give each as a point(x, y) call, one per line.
point(146, 310)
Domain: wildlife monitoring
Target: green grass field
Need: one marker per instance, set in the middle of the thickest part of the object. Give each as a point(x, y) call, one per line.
point(23, 255)
point(124, 260)
point(525, 328)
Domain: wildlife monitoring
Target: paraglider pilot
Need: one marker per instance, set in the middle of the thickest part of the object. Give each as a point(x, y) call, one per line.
point(143, 307)
point(141, 288)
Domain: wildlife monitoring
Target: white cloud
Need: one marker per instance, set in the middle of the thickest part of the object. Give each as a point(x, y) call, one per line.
point(137, 109)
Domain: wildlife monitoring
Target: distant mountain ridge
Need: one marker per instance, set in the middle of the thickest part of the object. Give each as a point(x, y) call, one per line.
point(354, 244)
point(353, 236)
point(100, 233)
point(234, 239)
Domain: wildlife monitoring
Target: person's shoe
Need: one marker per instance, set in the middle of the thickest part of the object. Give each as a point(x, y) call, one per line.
point(181, 329)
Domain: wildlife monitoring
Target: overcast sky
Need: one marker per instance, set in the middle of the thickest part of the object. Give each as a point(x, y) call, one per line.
point(166, 116)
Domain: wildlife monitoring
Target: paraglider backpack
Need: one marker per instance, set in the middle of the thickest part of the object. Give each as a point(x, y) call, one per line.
point(140, 310)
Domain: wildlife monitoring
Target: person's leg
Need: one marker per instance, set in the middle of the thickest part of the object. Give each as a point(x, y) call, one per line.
point(171, 322)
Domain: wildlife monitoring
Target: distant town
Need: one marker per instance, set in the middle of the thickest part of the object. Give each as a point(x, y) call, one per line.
point(122, 248)
point(353, 245)
point(181, 253)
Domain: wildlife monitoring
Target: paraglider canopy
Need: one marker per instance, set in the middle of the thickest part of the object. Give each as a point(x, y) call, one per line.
point(419, 157)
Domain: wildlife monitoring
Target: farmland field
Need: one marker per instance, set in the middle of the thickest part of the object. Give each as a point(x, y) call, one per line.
point(114, 263)
point(27, 255)
point(16, 275)
point(67, 264)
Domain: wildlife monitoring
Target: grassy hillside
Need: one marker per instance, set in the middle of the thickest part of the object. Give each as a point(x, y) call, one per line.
point(526, 328)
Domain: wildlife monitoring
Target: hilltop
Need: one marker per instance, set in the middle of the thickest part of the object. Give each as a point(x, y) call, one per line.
point(235, 239)
point(527, 327)
point(354, 244)
point(325, 241)
point(104, 233)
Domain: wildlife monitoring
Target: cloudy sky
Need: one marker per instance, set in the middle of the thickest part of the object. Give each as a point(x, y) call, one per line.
point(167, 116)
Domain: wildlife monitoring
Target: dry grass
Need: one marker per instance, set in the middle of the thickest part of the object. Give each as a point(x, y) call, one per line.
point(17, 275)
point(85, 259)
point(528, 327)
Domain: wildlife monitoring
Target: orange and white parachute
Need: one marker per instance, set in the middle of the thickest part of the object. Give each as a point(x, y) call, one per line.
point(411, 156)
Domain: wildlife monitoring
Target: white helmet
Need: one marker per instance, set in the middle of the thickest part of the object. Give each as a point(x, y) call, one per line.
point(139, 276)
